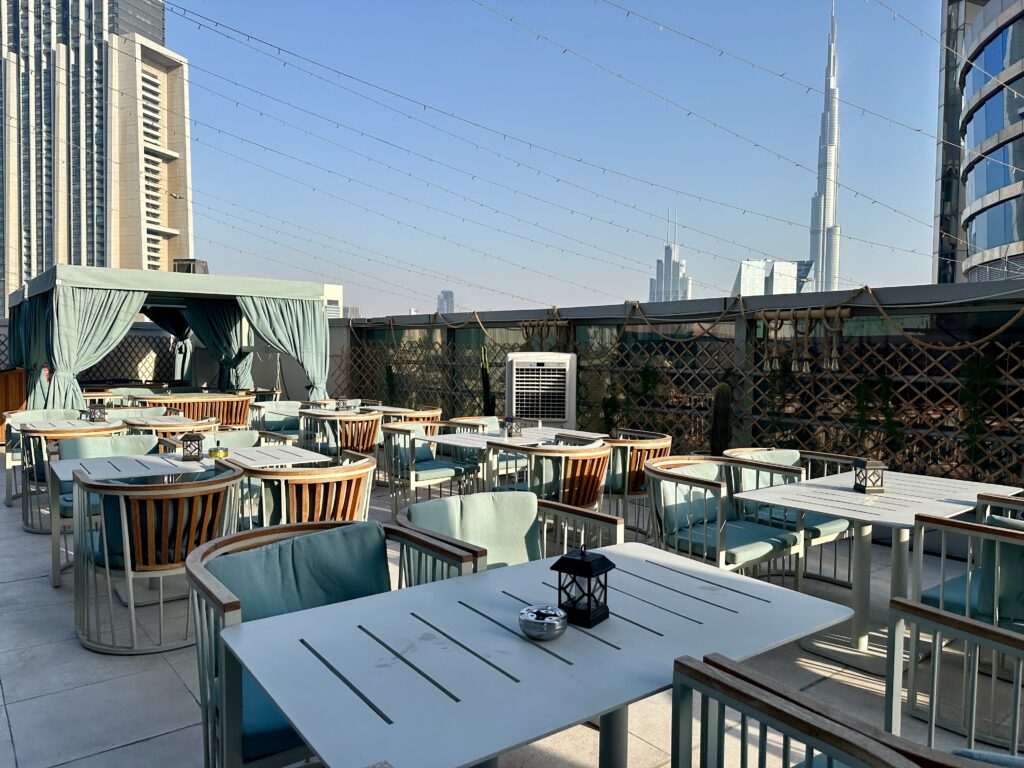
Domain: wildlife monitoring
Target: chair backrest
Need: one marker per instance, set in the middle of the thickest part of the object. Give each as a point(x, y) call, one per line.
point(161, 523)
point(505, 523)
point(685, 492)
point(130, 412)
point(766, 719)
point(569, 474)
point(425, 416)
point(398, 437)
point(338, 493)
point(748, 469)
point(345, 431)
point(113, 445)
point(489, 423)
point(231, 438)
point(231, 410)
point(277, 416)
point(630, 451)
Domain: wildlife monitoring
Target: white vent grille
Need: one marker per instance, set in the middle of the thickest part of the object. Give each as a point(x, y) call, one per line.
point(542, 386)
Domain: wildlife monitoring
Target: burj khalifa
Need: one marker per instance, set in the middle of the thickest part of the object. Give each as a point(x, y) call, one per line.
point(825, 233)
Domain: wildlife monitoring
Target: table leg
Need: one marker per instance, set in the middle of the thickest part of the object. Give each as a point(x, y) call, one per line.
point(900, 561)
point(614, 739)
point(861, 586)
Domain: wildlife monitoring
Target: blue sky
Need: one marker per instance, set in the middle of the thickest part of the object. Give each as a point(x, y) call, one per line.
point(559, 250)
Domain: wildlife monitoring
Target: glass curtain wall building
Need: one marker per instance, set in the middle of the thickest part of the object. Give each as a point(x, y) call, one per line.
point(94, 138)
point(979, 217)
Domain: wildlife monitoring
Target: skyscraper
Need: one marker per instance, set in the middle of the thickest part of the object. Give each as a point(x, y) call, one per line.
point(446, 302)
point(979, 205)
point(824, 230)
point(94, 141)
point(670, 282)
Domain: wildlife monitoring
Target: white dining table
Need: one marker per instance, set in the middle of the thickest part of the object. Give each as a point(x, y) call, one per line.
point(127, 467)
point(905, 496)
point(439, 674)
point(265, 457)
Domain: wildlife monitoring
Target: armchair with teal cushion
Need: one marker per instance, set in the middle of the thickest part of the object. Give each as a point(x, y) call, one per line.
point(280, 570)
point(410, 463)
point(511, 527)
point(279, 418)
point(692, 515)
point(12, 443)
point(572, 474)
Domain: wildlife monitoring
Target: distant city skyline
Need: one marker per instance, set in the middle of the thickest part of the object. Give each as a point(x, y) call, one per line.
point(446, 302)
point(670, 282)
point(549, 242)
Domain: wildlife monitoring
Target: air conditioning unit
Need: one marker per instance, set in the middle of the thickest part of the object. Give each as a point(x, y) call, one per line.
point(541, 385)
point(191, 266)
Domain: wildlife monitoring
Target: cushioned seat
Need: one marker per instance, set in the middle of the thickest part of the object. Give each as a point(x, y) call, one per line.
point(292, 575)
point(439, 469)
point(504, 523)
point(745, 541)
point(991, 758)
point(816, 525)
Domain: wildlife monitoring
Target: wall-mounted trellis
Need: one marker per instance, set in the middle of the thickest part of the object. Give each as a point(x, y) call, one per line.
point(936, 388)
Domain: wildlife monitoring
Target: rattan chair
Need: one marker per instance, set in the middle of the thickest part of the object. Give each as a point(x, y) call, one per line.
point(228, 733)
point(334, 433)
point(338, 493)
point(631, 449)
point(141, 532)
point(569, 474)
point(36, 447)
point(231, 410)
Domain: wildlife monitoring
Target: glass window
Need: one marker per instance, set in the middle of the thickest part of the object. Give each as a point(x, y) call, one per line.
point(997, 112)
point(1006, 49)
point(1000, 225)
point(995, 171)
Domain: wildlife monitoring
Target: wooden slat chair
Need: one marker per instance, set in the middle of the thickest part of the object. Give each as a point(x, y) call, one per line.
point(286, 495)
point(231, 410)
point(749, 473)
point(569, 474)
point(136, 412)
point(428, 416)
point(773, 728)
point(980, 573)
point(411, 464)
point(12, 444)
point(237, 578)
point(61, 494)
point(511, 527)
point(508, 463)
point(146, 530)
point(631, 449)
point(36, 449)
point(691, 514)
point(979, 670)
point(335, 433)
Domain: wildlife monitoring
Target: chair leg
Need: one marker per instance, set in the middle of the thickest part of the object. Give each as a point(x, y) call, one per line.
point(9, 487)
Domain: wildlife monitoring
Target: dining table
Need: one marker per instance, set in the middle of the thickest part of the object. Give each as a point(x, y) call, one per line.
point(440, 674)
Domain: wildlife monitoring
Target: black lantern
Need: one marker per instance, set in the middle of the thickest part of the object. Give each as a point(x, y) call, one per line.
point(512, 427)
point(868, 476)
point(191, 446)
point(97, 411)
point(583, 586)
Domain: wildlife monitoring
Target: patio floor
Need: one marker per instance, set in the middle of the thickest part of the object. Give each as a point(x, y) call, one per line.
point(63, 705)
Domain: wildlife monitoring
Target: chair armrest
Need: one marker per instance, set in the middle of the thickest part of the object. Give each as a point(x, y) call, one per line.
point(839, 458)
point(477, 554)
point(173, 411)
point(968, 528)
point(428, 541)
point(276, 438)
point(169, 442)
point(585, 514)
point(989, 632)
point(761, 466)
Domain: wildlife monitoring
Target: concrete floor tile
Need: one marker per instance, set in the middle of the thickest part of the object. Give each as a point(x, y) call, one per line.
point(32, 626)
point(6, 745)
point(52, 667)
point(578, 748)
point(34, 593)
point(100, 717)
point(181, 749)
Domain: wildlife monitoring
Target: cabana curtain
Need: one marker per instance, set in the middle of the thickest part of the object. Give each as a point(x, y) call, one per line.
point(218, 324)
point(172, 320)
point(34, 321)
point(15, 348)
point(296, 327)
point(86, 325)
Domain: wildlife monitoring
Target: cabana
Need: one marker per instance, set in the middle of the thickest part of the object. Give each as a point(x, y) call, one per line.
point(71, 317)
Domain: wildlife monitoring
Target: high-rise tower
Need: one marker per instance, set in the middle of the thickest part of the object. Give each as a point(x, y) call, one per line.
point(670, 282)
point(824, 230)
point(94, 140)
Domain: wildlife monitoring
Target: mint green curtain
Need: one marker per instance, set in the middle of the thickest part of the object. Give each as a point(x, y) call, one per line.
point(34, 324)
point(296, 327)
point(15, 353)
point(218, 324)
point(85, 326)
point(172, 320)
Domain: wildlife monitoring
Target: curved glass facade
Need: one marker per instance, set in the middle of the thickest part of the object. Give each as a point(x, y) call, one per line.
point(1004, 50)
point(1000, 110)
point(994, 172)
point(999, 225)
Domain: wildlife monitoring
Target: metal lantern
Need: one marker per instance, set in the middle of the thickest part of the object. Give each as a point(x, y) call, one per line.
point(583, 586)
point(191, 446)
point(512, 427)
point(97, 411)
point(868, 476)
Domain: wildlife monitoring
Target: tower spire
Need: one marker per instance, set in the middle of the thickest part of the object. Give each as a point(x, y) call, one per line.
point(825, 232)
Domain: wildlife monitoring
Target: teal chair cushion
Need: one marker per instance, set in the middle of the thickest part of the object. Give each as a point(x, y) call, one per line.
point(505, 524)
point(282, 416)
point(952, 596)
point(991, 758)
point(439, 469)
point(231, 438)
point(423, 452)
point(137, 413)
point(745, 541)
point(684, 505)
point(1011, 573)
point(816, 525)
point(302, 572)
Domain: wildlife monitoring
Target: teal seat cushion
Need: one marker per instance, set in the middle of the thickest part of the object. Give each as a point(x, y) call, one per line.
point(1011, 573)
point(816, 525)
point(681, 504)
point(307, 571)
point(295, 574)
point(745, 541)
point(439, 469)
point(137, 413)
point(265, 731)
point(231, 438)
point(504, 523)
point(991, 758)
